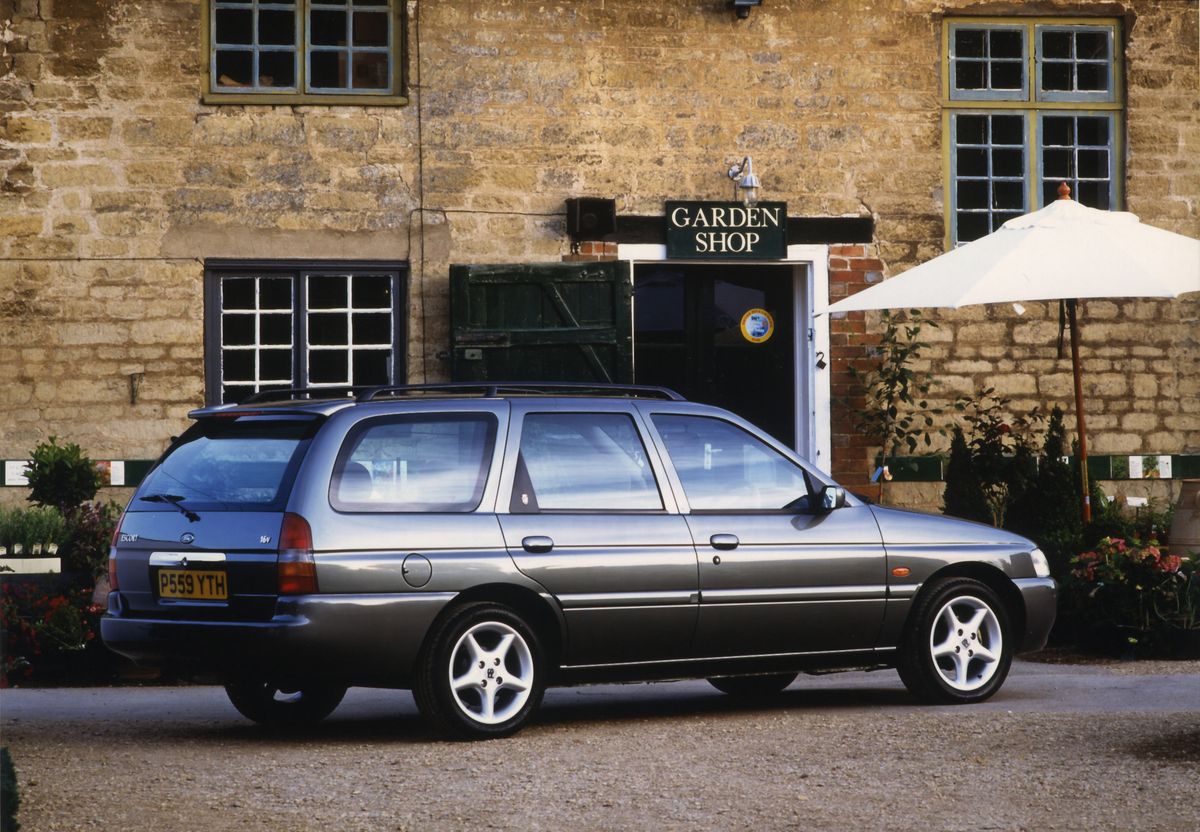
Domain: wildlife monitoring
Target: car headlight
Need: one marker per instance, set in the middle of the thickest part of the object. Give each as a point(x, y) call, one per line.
point(1041, 566)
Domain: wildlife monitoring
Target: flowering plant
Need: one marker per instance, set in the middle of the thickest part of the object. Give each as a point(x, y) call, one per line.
point(37, 620)
point(1137, 587)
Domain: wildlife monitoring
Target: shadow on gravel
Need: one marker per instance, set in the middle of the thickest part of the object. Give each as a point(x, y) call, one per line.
point(1182, 746)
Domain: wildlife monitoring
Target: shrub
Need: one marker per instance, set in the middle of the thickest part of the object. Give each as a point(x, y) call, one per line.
point(61, 476)
point(1049, 511)
point(40, 619)
point(32, 528)
point(10, 798)
point(963, 496)
point(89, 534)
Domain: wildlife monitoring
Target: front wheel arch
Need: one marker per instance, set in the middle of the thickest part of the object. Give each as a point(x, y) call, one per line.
point(993, 579)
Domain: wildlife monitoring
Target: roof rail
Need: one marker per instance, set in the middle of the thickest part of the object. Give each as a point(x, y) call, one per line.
point(287, 394)
point(494, 389)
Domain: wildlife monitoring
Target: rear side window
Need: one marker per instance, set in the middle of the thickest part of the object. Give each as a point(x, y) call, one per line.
point(583, 462)
point(417, 462)
point(247, 464)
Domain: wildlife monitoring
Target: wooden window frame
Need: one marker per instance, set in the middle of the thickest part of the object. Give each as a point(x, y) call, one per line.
point(1034, 104)
point(300, 271)
point(210, 93)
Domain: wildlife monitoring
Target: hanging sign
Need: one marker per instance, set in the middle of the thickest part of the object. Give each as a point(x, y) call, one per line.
point(757, 326)
point(726, 231)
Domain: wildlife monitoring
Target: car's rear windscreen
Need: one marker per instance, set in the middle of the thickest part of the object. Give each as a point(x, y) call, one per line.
point(243, 464)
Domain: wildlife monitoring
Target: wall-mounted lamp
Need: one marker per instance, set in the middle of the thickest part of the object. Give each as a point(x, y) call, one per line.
point(742, 7)
point(745, 184)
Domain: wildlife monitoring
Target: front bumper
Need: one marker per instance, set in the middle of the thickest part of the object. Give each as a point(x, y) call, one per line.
point(1041, 607)
point(353, 639)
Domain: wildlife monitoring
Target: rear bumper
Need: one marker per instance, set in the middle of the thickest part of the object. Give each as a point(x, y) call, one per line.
point(353, 639)
point(1041, 607)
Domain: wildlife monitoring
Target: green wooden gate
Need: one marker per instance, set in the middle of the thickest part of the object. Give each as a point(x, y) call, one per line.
point(543, 322)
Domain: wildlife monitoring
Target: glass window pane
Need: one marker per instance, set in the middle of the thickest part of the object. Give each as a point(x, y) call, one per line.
point(1050, 190)
point(970, 129)
point(998, 218)
point(371, 71)
point(1058, 130)
point(1091, 77)
point(584, 461)
point(1008, 163)
point(969, 43)
point(1008, 75)
point(1057, 163)
point(1056, 76)
point(277, 69)
point(370, 367)
point(372, 328)
point(275, 329)
point(328, 28)
point(970, 75)
point(1006, 43)
point(722, 467)
point(1091, 46)
point(237, 293)
point(275, 293)
point(328, 329)
point(234, 69)
point(1093, 164)
point(370, 29)
point(327, 292)
point(972, 193)
point(328, 70)
point(237, 330)
point(1094, 195)
point(235, 392)
point(1056, 45)
point(1092, 131)
point(372, 292)
point(238, 365)
point(275, 365)
point(972, 161)
point(328, 367)
point(1008, 196)
point(437, 462)
point(972, 226)
point(234, 26)
point(1008, 130)
point(276, 26)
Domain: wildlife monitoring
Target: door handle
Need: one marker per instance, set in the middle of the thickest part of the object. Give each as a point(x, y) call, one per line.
point(724, 541)
point(537, 544)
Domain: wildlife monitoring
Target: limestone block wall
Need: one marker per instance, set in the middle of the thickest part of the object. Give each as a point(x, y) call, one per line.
point(116, 184)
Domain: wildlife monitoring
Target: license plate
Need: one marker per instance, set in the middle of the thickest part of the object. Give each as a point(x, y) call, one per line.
point(193, 584)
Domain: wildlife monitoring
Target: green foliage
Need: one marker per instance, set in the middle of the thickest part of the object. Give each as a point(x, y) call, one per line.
point(897, 414)
point(61, 476)
point(10, 797)
point(963, 496)
point(37, 531)
point(90, 530)
point(1003, 464)
point(1049, 510)
point(40, 619)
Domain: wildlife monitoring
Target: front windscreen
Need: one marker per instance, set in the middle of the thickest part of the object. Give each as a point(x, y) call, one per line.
point(246, 464)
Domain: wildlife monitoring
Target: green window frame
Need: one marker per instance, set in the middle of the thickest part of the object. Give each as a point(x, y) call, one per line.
point(1067, 96)
point(304, 52)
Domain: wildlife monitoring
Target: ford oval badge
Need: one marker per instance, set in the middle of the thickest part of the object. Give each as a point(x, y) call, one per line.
point(186, 537)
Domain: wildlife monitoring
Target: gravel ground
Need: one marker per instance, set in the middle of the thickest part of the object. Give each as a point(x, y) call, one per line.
point(1059, 748)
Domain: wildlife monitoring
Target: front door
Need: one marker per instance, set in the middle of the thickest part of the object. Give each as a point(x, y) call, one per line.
point(722, 334)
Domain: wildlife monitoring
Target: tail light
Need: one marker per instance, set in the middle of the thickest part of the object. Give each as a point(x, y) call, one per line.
point(297, 571)
point(112, 553)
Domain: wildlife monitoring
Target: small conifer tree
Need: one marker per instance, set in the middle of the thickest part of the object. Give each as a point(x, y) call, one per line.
point(964, 496)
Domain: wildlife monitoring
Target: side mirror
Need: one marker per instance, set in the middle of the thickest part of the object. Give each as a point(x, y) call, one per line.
point(832, 496)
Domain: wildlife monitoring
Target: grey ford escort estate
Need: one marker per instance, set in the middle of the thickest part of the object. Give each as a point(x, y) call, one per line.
point(476, 543)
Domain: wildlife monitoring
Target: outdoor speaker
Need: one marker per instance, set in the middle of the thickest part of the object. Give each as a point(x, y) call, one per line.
point(589, 218)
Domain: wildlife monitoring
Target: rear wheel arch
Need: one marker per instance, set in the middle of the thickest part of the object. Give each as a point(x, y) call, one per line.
point(995, 580)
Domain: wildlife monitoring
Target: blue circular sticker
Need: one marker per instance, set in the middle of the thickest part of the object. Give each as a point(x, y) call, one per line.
point(757, 325)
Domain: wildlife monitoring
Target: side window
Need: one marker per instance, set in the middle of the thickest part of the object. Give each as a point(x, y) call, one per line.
point(583, 462)
point(724, 468)
point(421, 462)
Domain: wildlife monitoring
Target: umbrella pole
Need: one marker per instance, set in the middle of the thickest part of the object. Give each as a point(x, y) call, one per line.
point(1081, 422)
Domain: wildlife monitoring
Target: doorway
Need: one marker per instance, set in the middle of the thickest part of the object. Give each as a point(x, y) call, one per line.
point(727, 334)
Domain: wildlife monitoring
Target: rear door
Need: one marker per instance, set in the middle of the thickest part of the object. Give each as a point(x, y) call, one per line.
point(588, 516)
point(200, 538)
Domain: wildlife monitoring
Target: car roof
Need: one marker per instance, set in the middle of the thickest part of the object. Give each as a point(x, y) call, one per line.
point(325, 400)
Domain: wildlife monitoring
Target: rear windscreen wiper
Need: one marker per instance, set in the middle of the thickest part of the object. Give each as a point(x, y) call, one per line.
point(175, 500)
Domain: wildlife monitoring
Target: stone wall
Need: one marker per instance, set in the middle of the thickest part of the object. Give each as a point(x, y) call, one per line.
point(116, 183)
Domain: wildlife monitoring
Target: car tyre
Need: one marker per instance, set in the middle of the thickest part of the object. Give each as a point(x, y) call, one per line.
point(957, 646)
point(268, 704)
point(482, 673)
point(762, 685)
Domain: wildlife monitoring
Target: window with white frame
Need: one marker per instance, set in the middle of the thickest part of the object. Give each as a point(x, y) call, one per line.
point(304, 51)
point(1029, 104)
point(279, 325)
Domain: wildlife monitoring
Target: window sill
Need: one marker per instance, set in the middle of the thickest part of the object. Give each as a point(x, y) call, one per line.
point(287, 99)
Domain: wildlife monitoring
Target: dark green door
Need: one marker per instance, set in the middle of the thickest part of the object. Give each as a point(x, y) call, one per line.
point(544, 322)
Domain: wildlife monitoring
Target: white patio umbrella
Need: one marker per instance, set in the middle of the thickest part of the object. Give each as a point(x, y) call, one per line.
point(1065, 251)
